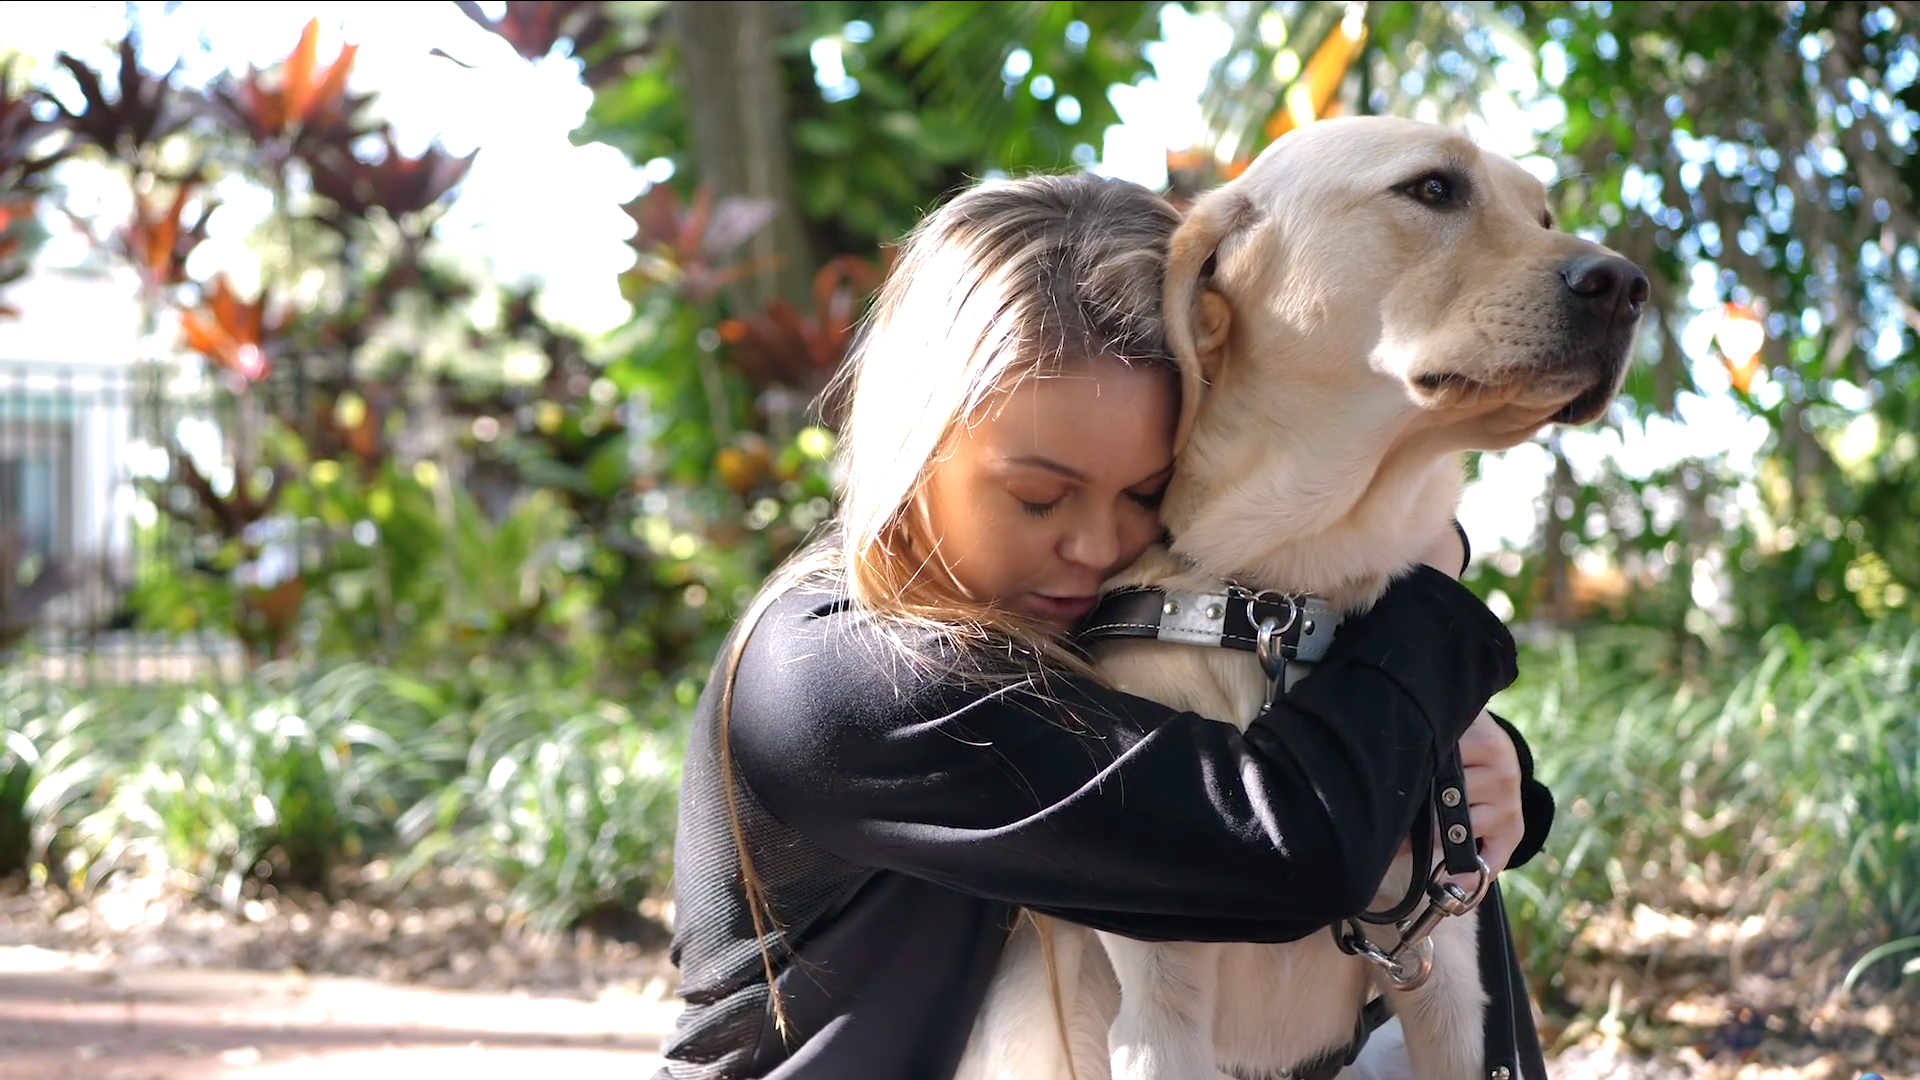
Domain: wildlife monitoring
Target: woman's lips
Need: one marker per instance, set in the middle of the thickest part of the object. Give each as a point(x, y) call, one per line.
point(1062, 609)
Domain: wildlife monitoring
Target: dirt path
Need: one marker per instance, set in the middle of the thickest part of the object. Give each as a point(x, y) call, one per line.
point(117, 1015)
point(64, 1016)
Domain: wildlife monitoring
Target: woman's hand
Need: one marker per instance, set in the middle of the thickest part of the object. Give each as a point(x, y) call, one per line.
point(1492, 769)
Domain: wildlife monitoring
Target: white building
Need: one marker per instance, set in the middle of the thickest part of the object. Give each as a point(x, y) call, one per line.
point(66, 436)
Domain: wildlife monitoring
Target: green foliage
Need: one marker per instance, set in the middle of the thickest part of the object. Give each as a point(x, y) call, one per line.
point(277, 778)
point(934, 97)
point(1789, 782)
point(565, 800)
point(58, 750)
point(947, 92)
point(1800, 202)
point(569, 803)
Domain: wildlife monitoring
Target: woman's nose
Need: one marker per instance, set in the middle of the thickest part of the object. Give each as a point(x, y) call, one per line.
point(1094, 542)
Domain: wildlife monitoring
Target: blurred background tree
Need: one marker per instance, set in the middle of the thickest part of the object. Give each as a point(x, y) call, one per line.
point(497, 554)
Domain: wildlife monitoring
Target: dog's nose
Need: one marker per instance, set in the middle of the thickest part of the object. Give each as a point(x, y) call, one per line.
point(1607, 280)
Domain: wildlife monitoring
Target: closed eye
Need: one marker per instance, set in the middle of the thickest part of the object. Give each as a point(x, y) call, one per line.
point(1440, 189)
point(1546, 218)
point(1149, 500)
point(1039, 509)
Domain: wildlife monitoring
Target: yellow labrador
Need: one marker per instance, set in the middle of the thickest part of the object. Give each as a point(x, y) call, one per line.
point(1371, 298)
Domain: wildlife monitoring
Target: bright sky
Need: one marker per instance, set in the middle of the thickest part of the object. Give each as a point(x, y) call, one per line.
point(539, 207)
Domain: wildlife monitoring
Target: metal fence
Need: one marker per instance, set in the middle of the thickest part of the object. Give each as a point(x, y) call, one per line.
point(85, 480)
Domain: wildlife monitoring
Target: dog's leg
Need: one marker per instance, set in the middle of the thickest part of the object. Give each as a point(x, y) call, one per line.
point(1092, 1008)
point(1443, 1022)
point(1384, 1058)
point(1165, 1027)
point(1018, 1034)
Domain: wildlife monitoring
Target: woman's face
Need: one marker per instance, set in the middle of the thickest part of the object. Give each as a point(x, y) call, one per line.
point(1056, 486)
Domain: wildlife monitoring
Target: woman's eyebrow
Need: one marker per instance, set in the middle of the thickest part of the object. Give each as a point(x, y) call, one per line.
point(1042, 462)
point(1047, 463)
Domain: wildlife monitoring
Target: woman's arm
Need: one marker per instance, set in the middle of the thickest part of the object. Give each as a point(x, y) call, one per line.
point(1108, 809)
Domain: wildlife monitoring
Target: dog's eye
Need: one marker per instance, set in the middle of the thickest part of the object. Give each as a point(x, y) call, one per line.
point(1437, 190)
point(1546, 219)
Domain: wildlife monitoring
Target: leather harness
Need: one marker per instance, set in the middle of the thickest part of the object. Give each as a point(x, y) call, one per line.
point(1290, 633)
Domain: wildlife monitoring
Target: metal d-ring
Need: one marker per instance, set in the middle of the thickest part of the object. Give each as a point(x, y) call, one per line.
point(1451, 898)
point(1268, 645)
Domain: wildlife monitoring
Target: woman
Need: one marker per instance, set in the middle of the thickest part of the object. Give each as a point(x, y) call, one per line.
point(900, 749)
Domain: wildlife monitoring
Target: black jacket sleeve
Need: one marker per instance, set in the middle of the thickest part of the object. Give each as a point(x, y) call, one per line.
point(1536, 801)
point(1107, 809)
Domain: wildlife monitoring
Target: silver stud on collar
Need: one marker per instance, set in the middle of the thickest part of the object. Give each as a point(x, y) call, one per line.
point(1171, 607)
point(1215, 611)
point(1450, 797)
point(1500, 1073)
point(1457, 834)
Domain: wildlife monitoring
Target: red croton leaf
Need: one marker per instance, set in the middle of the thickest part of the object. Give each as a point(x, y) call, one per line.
point(144, 110)
point(306, 99)
point(780, 346)
point(158, 240)
point(25, 158)
point(233, 333)
point(534, 27)
point(687, 245)
point(395, 183)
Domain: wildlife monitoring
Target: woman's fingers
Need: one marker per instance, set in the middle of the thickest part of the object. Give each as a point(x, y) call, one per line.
point(1491, 767)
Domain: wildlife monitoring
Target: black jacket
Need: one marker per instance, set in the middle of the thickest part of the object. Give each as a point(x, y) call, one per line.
point(899, 813)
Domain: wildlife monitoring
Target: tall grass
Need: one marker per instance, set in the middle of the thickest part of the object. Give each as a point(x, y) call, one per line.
point(1787, 780)
point(567, 800)
point(277, 779)
point(564, 800)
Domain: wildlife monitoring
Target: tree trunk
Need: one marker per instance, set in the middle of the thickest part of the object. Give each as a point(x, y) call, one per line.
point(1556, 567)
point(737, 110)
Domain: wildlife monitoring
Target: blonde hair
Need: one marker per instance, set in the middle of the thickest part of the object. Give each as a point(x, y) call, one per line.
point(1011, 279)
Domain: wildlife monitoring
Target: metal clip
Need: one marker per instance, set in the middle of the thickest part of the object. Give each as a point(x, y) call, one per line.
point(1445, 899)
point(1404, 972)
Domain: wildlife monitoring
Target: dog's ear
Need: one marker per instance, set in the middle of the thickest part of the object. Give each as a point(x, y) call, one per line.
point(1198, 318)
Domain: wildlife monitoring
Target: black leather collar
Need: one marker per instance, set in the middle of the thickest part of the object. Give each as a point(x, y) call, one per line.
point(1228, 619)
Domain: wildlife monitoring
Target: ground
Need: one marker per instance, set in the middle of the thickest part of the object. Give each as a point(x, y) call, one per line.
point(141, 985)
point(63, 1017)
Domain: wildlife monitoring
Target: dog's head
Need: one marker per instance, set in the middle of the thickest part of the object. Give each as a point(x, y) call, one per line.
point(1396, 260)
point(1373, 291)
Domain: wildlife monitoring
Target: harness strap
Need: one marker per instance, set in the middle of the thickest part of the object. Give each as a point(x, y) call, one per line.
point(1329, 1064)
point(1457, 847)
